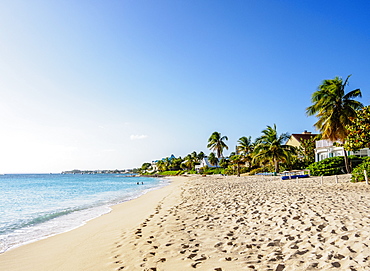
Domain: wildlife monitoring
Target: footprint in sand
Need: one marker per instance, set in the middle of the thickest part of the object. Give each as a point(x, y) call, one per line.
point(194, 265)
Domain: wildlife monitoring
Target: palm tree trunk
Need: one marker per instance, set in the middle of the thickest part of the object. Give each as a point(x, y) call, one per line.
point(346, 162)
point(276, 164)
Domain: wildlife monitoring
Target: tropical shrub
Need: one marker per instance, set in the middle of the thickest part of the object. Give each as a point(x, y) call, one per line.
point(358, 130)
point(211, 171)
point(334, 165)
point(328, 166)
point(358, 172)
point(356, 161)
point(244, 170)
point(229, 171)
point(170, 173)
point(193, 171)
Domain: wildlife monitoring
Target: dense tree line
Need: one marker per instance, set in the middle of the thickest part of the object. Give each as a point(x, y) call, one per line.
point(341, 119)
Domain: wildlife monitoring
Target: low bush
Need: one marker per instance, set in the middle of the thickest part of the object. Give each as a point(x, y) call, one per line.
point(170, 172)
point(193, 171)
point(211, 171)
point(334, 165)
point(328, 166)
point(358, 172)
point(355, 160)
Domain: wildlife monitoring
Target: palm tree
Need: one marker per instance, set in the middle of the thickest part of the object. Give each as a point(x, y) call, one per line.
point(216, 143)
point(270, 147)
point(224, 163)
point(334, 108)
point(236, 161)
point(200, 156)
point(167, 163)
point(176, 163)
point(212, 159)
point(245, 145)
point(190, 161)
point(245, 148)
point(161, 165)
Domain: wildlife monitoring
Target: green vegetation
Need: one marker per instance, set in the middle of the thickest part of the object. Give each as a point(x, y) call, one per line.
point(224, 163)
point(306, 152)
point(358, 131)
point(237, 161)
point(171, 173)
point(245, 145)
point(334, 108)
point(270, 148)
point(328, 166)
point(211, 171)
point(358, 172)
point(340, 118)
point(333, 165)
point(216, 143)
point(190, 161)
point(213, 160)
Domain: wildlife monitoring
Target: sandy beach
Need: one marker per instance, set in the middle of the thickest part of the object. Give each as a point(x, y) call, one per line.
point(218, 223)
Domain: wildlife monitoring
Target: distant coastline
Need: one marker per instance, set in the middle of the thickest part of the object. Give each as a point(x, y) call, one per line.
point(109, 171)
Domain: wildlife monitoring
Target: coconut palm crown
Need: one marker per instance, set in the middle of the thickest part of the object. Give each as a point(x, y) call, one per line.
point(334, 108)
point(216, 143)
point(245, 145)
point(270, 147)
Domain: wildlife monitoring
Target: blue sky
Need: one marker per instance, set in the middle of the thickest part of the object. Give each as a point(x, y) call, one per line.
point(113, 84)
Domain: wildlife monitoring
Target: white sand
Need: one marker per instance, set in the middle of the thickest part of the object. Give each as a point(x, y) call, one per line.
point(218, 223)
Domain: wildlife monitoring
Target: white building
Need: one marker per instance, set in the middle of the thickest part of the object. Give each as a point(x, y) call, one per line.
point(205, 162)
point(325, 149)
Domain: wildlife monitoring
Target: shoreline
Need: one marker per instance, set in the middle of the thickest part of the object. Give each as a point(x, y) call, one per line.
point(53, 252)
point(218, 223)
point(69, 220)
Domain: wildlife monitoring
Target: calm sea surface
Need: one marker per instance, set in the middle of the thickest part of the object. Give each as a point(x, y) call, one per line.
point(36, 206)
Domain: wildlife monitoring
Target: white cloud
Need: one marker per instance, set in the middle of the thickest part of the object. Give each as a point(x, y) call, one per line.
point(136, 137)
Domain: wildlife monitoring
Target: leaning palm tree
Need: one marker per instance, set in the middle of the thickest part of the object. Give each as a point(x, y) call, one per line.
point(216, 143)
point(270, 147)
point(334, 108)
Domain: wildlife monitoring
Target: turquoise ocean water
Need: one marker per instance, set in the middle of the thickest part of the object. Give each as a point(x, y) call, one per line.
point(36, 206)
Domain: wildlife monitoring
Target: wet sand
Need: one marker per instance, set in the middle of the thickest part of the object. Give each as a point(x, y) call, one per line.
point(219, 223)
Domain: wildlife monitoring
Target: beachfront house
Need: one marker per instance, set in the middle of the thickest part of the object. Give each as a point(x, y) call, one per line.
point(295, 140)
point(154, 166)
point(205, 162)
point(326, 149)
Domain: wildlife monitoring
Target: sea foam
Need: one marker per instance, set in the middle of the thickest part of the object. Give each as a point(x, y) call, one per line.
point(36, 206)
